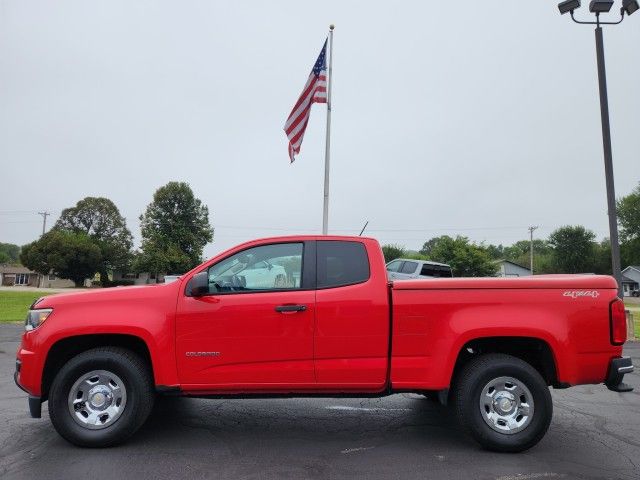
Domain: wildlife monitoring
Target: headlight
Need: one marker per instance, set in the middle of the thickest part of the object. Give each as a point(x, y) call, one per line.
point(35, 318)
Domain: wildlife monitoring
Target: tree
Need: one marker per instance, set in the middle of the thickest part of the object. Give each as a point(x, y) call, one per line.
point(467, 259)
point(602, 257)
point(391, 252)
point(175, 228)
point(429, 245)
point(9, 253)
point(496, 251)
point(628, 209)
point(100, 219)
point(520, 253)
point(522, 247)
point(574, 249)
point(67, 254)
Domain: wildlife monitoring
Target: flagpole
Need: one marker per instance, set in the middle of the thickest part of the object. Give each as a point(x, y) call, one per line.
point(327, 148)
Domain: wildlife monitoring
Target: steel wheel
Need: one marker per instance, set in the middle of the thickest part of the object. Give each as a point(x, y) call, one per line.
point(97, 399)
point(506, 405)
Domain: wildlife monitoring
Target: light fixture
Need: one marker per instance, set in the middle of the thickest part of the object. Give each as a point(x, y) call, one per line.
point(629, 6)
point(568, 6)
point(600, 6)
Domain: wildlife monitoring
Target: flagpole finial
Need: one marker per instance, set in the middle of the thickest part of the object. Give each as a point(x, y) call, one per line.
point(331, 27)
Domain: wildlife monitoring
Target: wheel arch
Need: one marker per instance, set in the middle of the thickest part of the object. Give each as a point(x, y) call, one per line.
point(66, 348)
point(536, 351)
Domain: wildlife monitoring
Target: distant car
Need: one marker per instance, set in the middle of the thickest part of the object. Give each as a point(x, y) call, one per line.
point(265, 275)
point(405, 268)
point(171, 278)
point(635, 293)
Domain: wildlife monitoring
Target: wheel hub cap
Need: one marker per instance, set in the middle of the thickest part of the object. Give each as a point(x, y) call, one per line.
point(97, 399)
point(506, 405)
point(100, 397)
point(503, 403)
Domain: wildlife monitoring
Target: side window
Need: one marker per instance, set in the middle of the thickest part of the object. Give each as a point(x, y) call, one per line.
point(409, 267)
point(435, 271)
point(394, 266)
point(268, 267)
point(341, 263)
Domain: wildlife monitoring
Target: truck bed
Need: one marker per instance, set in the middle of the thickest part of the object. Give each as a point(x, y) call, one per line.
point(436, 319)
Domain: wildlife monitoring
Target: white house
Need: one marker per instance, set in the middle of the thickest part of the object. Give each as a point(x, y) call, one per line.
point(135, 278)
point(511, 269)
point(19, 276)
point(630, 280)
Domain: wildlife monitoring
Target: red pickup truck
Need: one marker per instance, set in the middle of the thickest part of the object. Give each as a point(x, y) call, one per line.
point(316, 315)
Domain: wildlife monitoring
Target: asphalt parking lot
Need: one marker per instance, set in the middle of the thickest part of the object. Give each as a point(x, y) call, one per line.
point(595, 434)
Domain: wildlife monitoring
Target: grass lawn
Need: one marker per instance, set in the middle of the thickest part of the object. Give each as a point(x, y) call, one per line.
point(635, 310)
point(14, 305)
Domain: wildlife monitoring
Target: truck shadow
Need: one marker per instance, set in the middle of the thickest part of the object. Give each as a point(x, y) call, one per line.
point(275, 423)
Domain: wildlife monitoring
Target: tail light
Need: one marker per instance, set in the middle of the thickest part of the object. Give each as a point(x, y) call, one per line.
point(618, 322)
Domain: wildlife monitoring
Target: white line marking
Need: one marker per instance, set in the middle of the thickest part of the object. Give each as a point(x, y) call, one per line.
point(357, 449)
point(364, 409)
point(530, 476)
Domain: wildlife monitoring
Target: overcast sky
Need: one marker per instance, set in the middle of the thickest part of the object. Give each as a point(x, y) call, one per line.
point(471, 118)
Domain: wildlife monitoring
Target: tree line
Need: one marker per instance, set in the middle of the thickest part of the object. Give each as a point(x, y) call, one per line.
point(568, 249)
point(92, 237)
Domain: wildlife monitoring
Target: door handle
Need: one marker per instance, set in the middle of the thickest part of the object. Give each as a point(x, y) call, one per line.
point(290, 308)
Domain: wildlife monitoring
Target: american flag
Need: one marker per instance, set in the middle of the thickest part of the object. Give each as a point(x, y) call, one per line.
point(315, 91)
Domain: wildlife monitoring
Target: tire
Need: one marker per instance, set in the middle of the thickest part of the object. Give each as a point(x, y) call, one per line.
point(120, 383)
point(497, 419)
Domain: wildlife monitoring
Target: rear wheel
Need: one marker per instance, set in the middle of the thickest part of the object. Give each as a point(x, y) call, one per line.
point(503, 402)
point(101, 397)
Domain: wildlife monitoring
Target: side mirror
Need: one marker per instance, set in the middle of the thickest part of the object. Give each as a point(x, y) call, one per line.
point(198, 285)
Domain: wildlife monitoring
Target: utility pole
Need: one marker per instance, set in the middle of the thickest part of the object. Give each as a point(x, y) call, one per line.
point(44, 214)
point(531, 230)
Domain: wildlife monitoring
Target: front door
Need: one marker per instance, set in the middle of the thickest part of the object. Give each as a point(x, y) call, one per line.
point(254, 331)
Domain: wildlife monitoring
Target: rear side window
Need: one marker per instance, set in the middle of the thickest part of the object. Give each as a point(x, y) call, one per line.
point(409, 267)
point(436, 271)
point(341, 263)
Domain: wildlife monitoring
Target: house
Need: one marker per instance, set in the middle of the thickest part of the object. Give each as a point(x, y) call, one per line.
point(508, 268)
point(136, 278)
point(630, 280)
point(17, 275)
point(52, 281)
point(12, 275)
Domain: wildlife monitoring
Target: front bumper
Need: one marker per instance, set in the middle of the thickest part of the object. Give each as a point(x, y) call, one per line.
point(618, 367)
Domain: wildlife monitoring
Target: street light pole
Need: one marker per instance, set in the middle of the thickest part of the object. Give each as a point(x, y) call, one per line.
point(608, 161)
point(597, 7)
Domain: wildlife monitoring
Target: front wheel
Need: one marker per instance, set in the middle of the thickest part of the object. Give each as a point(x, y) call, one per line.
point(503, 402)
point(101, 397)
